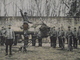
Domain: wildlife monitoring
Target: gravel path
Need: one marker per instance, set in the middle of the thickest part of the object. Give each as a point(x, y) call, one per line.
point(41, 53)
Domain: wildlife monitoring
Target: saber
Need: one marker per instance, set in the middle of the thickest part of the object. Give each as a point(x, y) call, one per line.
point(17, 6)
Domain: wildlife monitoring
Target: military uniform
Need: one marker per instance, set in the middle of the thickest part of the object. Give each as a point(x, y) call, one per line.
point(66, 38)
point(53, 37)
point(62, 39)
point(25, 28)
point(25, 17)
point(26, 39)
point(79, 34)
point(70, 36)
point(75, 38)
point(39, 39)
point(34, 39)
point(9, 40)
point(16, 39)
point(59, 37)
point(2, 36)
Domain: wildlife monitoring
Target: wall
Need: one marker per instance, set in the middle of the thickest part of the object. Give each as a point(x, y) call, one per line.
point(16, 22)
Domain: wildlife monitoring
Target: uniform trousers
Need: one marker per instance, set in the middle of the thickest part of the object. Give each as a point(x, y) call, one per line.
point(53, 41)
point(9, 43)
point(75, 42)
point(40, 41)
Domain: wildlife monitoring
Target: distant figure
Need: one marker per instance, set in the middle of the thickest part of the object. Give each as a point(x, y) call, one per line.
point(53, 37)
point(2, 36)
point(62, 38)
point(9, 40)
point(75, 38)
point(69, 34)
point(39, 38)
point(79, 34)
point(34, 36)
point(59, 37)
point(26, 36)
point(25, 29)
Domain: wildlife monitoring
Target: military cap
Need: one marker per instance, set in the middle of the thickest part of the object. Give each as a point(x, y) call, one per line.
point(69, 27)
point(59, 28)
point(25, 12)
point(2, 27)
point(74, 27)
point(54, 27)
point(9, 25)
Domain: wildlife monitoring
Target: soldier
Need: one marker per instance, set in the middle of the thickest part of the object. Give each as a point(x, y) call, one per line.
point(62, 38)
point(66, 38)
point(26, 38)
point(53, 37)
point(39, 38)
point(2, 36)
point(75, 38)
point(59, 37)
point(25, 29)
point(34, 39)
point(69, 35)
point(25, 17)
point(9, 40)
point(79, 34)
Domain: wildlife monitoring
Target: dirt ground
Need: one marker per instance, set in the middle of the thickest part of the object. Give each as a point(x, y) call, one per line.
point(40, 53)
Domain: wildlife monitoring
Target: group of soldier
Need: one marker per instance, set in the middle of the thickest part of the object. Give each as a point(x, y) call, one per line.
point(72, 37)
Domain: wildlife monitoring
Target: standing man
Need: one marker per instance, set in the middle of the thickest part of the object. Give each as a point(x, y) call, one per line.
point(9, 40)
point(53, 37)
point(70, 36)
point(26, 38)
point(34, 35)
point(75, 38)
point(39, 38)
point(2, 36)
point(59, 37)
point(79, 34)
point(62, 38)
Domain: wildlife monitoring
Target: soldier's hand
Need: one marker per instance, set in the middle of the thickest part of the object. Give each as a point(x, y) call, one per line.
point(20, 10)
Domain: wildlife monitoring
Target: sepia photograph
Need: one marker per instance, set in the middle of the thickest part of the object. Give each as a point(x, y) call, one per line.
point(39, 29)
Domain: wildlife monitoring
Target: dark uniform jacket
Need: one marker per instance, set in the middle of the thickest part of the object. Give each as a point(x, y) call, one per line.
point(75, 34)
point(53, 33)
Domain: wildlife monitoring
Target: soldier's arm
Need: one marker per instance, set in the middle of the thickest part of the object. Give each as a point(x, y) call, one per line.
point(56, 34)
point(21, 13)
point(77, 34)
point(66, 34)
point(13, 36)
